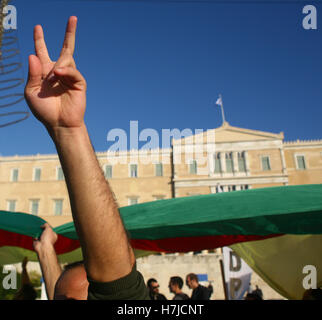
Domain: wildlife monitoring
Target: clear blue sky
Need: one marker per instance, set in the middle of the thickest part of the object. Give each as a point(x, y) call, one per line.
point(164, 64)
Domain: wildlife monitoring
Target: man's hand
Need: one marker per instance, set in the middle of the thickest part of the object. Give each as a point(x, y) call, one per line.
point(47, 239)
point(44, 247)
point(56, 91)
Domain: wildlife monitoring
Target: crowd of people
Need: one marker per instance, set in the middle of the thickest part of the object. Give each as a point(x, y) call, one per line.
point(199, 292)
point(28, 292)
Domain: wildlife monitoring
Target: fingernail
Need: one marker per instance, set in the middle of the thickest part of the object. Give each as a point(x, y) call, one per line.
point(51, 77)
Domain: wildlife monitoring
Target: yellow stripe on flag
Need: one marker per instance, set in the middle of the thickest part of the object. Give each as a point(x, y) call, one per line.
point(280, 261)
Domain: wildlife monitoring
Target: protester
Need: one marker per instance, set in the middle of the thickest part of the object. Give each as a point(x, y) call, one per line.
point(211, 289)
point(27, 290)
point(312, 294)
point(175, 286)
point(68, 284)
point(199, 292)
point(253, 296)
point(258, 291)
point(153, 288)
point(56, 95)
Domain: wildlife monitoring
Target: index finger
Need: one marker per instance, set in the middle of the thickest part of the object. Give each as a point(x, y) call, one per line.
point(69, 41)
point(40, 45)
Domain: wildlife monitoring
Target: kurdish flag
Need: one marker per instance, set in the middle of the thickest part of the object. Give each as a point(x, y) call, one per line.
point(277, 231)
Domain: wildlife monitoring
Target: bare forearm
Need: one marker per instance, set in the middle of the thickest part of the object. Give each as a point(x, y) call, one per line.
point(50, 268)
point(95, 213)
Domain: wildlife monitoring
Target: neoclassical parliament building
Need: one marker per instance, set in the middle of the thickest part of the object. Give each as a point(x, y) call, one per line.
point(225, 159)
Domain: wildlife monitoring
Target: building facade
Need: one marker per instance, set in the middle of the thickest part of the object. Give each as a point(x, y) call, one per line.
point(219, 160)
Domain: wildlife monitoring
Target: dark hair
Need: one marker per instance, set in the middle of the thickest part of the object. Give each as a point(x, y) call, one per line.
point(73, 265)
point(313, 294)
point(193, 276)
point(253, 296)
point(150, 281)
point(178, 281)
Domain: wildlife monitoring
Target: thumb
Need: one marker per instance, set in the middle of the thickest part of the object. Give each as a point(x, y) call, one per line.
point(35, 72)
point(71, 77)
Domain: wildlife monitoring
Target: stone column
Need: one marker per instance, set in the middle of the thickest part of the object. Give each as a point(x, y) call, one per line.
point(223, 162)
point(283, 161)
point(211, 163)
point(235, 162)
point(247, 163)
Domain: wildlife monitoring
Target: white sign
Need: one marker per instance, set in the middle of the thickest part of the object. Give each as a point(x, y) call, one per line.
point(237, 275)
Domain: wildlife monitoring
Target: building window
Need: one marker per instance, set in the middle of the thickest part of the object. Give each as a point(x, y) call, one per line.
point(58, 207)
point(60, 174)
point(14, 175)
point(159, 170)
point(217, 162)
point(266, 164)
point(37, 174)
point(133, 170)
point(34, 206)
point(300, 161)
point(133, 200)
point(108, 171)
point(229, 162)
point(193, 167)
point(11, 205)
point(241, 162)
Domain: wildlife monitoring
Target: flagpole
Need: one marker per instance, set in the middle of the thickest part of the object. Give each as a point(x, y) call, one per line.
point(223, 275)
point(222, 109)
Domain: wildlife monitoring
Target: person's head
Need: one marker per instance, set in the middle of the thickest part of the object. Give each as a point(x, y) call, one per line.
point(312, 294)
point(253, 296)
point(72, 283)
point(153, 286)
point(175, 284)
point(192, 281)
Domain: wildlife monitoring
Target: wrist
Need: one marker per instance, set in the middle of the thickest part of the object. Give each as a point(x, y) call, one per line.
point(44, 247)
point(61, 133)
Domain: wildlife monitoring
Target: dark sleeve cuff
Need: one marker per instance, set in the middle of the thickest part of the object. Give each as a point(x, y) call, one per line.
point(129, 287)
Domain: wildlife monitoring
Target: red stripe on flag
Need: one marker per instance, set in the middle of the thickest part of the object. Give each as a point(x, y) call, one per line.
point(62, 245)
point(185, 244)
point(180, 244)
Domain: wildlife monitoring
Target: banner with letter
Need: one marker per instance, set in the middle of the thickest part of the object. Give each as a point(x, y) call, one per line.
point(237, 275)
